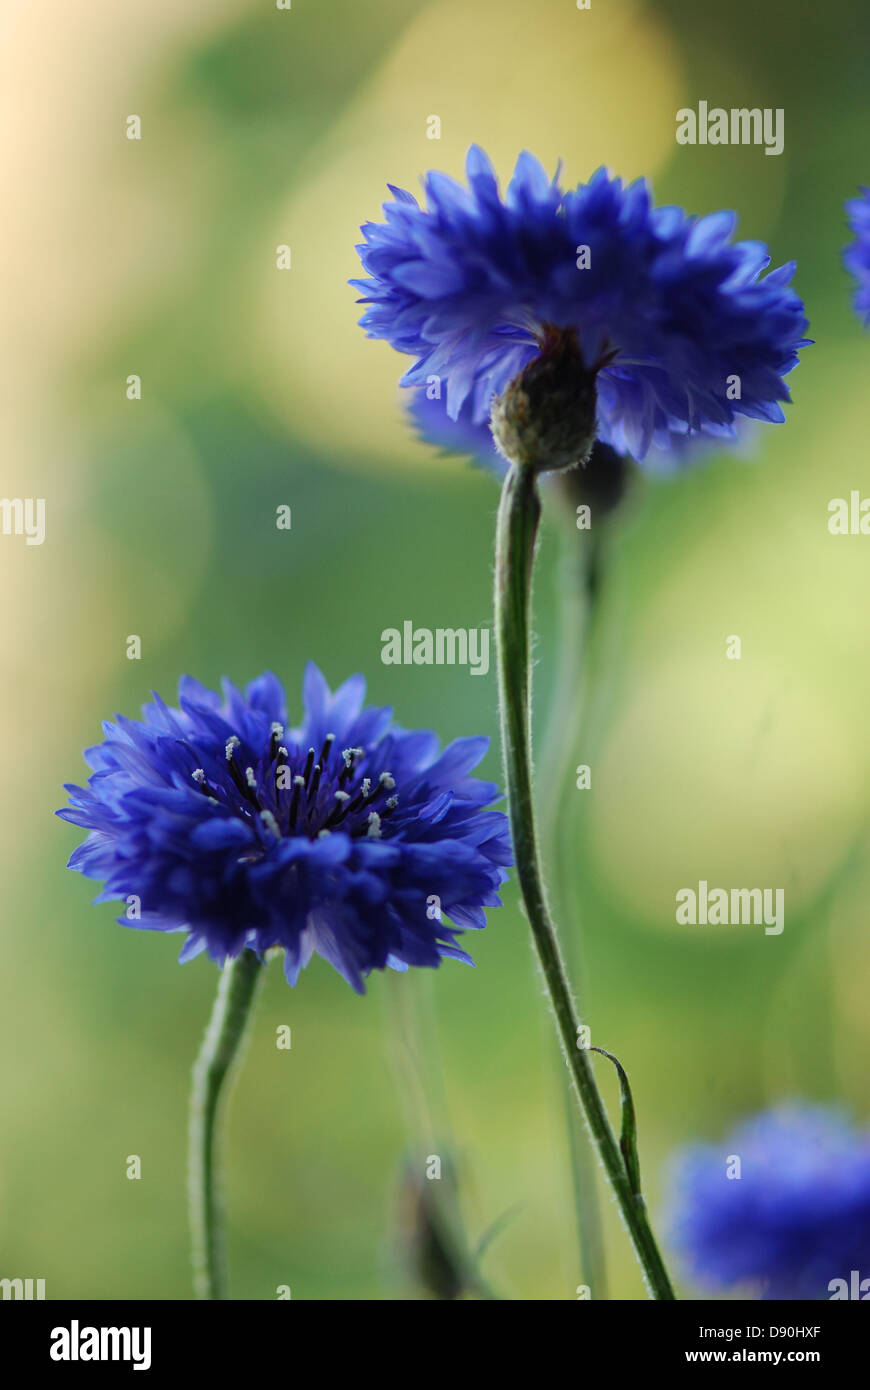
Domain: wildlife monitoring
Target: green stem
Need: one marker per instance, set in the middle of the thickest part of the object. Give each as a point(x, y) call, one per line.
point(576, 605)
point(516, 531)
point(220, 1049)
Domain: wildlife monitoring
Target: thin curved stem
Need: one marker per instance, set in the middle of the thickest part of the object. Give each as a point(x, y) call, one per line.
point(220, 1049)
point(516, 531)
point(576, 606)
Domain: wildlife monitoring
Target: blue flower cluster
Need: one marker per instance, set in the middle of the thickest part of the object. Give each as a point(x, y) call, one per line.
point(348, 836)
point(793, 1219)
point(857, 256)
point(674, 317)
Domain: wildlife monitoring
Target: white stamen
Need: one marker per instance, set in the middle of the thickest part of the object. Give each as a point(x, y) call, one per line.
point(342, 796)
point(198, 775)
point(392, 802)
point(387, 781)
point(270, 823)
point(232, 744)
point(374, 830)
point(277, 729)
point(249, 777)
point(366, 786)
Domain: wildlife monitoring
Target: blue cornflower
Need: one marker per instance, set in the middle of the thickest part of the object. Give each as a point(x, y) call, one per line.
point(857, 256)
point(347, 836)
point(679, 328)
point(797, 1217)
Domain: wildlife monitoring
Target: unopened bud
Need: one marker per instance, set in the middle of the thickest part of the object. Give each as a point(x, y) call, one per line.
point(545, 419)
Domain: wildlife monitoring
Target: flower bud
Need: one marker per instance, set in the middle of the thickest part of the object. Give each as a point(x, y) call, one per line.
point(545, 419)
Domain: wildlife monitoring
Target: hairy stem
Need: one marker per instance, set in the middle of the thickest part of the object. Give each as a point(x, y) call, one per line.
point(519, 513)
point(576, 604)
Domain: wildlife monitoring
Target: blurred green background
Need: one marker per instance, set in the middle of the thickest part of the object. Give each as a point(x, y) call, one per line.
point(157, 257)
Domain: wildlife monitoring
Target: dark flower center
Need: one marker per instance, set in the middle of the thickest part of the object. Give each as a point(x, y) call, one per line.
point(307, 794)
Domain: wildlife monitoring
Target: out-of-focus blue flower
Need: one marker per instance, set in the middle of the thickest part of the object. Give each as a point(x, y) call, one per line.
point(673, 316)
point(797, 1217)
point(857, 255)
point(464, 436)
point(347, 836)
